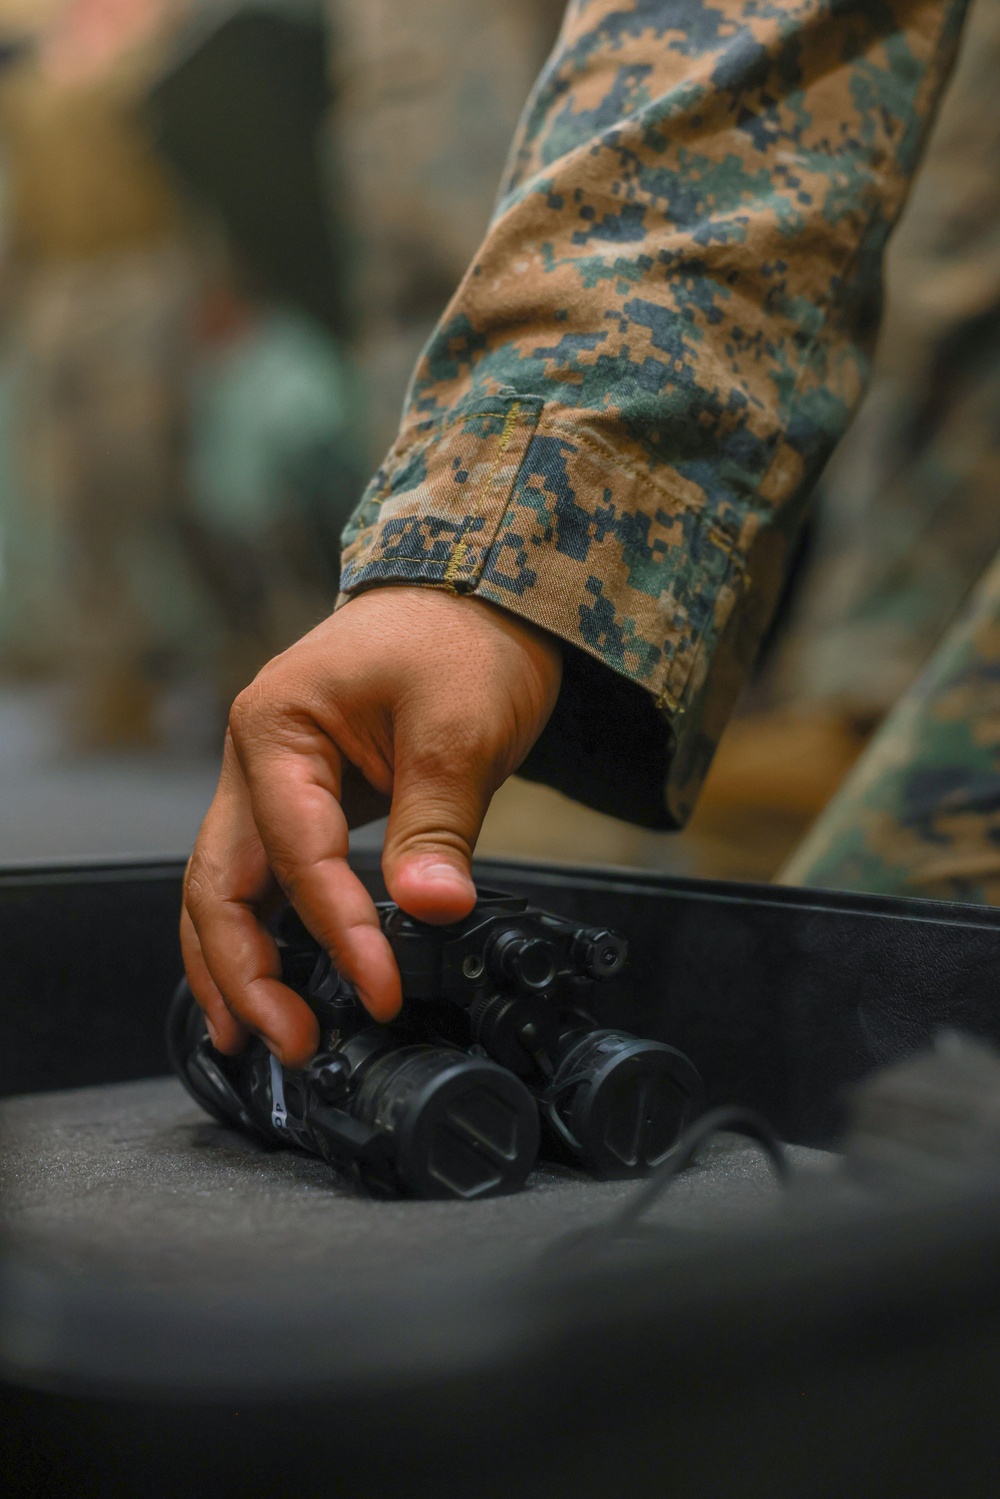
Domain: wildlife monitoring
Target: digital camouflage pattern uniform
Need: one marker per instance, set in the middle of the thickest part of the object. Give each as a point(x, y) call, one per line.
point(920, 813)
point(909, 503)
point(615, 426)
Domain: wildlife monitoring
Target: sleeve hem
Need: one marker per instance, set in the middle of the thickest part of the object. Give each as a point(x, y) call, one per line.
point(637, 573)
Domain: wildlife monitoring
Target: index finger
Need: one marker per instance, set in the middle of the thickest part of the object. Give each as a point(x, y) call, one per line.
point(294, 781)
point(230, 956)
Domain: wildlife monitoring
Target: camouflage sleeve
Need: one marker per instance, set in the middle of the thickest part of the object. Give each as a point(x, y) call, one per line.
point(614, 427)
point(920, 812)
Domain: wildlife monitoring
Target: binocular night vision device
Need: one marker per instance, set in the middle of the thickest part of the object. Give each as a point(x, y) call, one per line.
point(494, 1058)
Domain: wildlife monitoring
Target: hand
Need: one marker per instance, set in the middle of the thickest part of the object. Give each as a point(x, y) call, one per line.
point(408, 700)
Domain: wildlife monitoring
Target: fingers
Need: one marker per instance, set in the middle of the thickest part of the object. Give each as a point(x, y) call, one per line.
point(292, 772)
point(229, 953)
point(439, 802)
point(436, 700)
point(227, 1034)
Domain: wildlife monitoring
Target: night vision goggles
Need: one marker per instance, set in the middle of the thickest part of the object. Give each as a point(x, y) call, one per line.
point(495, 1058)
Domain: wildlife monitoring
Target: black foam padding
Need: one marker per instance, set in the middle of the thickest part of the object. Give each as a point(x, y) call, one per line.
point(133, 1180)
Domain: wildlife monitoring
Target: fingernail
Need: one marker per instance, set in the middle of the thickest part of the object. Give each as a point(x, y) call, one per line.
point(213, 1034)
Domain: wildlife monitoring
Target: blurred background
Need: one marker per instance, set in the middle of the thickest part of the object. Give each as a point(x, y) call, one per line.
point(226, 229)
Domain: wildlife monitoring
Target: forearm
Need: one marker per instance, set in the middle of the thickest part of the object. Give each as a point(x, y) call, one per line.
point(615, 426)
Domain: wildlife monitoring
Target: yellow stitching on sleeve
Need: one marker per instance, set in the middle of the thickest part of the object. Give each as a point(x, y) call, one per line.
point(459, 553)
point(420, 443)
point(665, 700)
point(503, 443)
point(510, 422)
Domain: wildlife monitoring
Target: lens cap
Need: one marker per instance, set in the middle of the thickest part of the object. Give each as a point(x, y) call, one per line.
point(633, 1101)
point(461, 1126)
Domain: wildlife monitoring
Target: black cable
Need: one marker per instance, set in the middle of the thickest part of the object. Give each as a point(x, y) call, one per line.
point(732, 1120)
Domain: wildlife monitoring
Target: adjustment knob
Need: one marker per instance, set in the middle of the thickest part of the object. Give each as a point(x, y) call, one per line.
point(328, 1076)
point(518, 1031)
point(600, 953)
point(528, 962)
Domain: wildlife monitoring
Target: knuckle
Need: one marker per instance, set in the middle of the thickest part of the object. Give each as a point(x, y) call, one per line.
point(248, 712)
point(201, 885)
point(198, 896)
point(437, 840)
point(271, 710)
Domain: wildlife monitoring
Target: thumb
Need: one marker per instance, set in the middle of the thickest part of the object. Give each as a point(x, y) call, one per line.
point(437, 813)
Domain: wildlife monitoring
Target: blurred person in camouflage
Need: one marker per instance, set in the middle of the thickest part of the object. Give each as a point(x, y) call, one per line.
point(920, 812)
point(428, 93)
point(568, 558)
point(907, 521)
point(179, 436)
point(99, 285)
point(910, 495)
point(915, 488)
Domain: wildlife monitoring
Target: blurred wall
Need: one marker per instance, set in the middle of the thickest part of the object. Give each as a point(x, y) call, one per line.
point(429, 93)
point(184, 440)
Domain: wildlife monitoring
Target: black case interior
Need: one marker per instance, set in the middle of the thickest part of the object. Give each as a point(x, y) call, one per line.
point(844, 1348)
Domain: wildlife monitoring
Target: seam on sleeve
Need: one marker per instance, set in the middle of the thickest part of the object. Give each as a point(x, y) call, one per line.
point(563, 531)
point(431, 514)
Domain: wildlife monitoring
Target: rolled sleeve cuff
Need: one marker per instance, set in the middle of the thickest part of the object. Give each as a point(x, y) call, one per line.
point(516, 501)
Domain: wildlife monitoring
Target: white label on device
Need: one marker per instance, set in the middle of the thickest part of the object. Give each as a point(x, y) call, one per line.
point(279, 1114)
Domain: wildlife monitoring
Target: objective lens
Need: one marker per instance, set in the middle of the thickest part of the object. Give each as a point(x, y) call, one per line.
point(459, 1126)
point(621, 1103)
